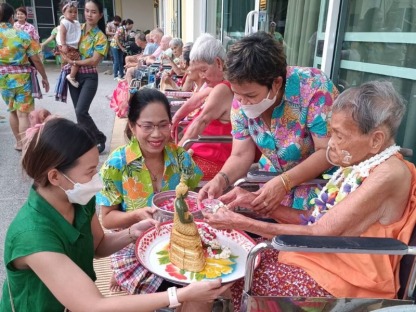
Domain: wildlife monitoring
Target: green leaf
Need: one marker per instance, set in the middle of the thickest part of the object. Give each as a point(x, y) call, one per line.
point(199, 276)
point(233, 257)
point(164, 260)
point(162, 253)
point(182, 271)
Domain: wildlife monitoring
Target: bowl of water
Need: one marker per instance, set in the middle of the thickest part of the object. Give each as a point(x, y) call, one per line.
point(164, 204)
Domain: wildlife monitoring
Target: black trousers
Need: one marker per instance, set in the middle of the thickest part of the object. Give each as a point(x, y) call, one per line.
point(82, 98)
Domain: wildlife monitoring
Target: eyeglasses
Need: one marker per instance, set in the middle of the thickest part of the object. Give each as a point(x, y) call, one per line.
point(149, 127)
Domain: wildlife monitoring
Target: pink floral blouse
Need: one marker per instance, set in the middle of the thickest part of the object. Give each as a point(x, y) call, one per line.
point(29, 28)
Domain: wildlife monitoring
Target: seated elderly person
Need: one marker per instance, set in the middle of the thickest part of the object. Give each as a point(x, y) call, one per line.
point(372, 194)
point(134, 72)
point(213, 118)
point(133, 60)
point(164, 51)
point(180, 65)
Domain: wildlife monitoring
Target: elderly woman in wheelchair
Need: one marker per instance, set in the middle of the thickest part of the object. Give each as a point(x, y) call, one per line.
point(372, 194)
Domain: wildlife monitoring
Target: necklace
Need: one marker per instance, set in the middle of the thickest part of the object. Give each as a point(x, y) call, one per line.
point(344, 181)
point(153, 176)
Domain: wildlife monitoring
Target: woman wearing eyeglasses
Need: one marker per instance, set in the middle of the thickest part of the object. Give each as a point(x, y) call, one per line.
point(133, 173)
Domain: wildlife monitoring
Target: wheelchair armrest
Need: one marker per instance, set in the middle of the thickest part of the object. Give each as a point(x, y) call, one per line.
point(406, 152)
point(208, 139)
point(341, 244)
point(259, 176)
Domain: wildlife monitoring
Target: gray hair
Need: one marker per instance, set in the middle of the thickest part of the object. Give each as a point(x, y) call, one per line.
point(188, 46)
point(371, 105)
point(206, 48)
point(176, 42)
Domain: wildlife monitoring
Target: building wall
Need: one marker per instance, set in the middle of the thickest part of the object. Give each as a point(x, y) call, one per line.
point(192, 20)
point(141, 12)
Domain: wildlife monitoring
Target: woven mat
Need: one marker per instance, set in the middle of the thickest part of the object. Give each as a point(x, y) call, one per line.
point(103, 270)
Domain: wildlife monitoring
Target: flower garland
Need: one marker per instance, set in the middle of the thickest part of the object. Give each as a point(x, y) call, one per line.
point(346, 180)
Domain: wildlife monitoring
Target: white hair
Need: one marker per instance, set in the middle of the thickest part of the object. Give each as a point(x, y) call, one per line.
point(206, 48)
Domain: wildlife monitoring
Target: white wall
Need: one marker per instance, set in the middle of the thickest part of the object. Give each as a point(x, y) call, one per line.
point(141, 12)
point(191, 19)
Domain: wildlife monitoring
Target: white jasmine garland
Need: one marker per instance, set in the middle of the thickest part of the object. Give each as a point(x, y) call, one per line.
point(346, 180)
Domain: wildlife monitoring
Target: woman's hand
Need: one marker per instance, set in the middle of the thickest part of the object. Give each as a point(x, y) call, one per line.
point(137, 229)
point(269, 196)
point(238, 197)
point(213, 189)
point(222, 219)
point(45, 84)
point(202, 291)
point(144, 213)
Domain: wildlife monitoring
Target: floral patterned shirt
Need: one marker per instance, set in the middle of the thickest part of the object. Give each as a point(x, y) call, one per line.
point(16, 47)
point(121, 34)
point(304, 112)
point(29, 28)
point(127, 181)
point(92, 41)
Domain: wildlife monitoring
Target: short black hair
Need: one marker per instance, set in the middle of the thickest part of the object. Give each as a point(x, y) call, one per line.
point(256, 58)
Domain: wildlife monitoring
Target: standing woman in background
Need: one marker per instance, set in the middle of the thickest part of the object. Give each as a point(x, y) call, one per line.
point(18, 81)
point(22, 24)
point(118, 49)
point(92, 47)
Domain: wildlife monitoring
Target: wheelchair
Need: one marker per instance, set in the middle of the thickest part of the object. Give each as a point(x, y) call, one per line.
point(329, 244)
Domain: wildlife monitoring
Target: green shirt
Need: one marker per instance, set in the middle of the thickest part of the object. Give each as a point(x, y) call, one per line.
point(39, 227)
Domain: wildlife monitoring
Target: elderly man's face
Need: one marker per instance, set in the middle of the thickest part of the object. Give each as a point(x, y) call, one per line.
point(348, 145)
point(157, 37)
point(164, 43)
point(141, 44)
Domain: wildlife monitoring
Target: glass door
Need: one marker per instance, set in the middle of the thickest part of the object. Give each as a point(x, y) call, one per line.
point(377, 41)
point(299, 25)
point(226, 19)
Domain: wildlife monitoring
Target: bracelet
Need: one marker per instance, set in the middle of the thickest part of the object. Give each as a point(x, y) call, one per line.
point(131, 237)
point(227, 180)
point(173, 298)
point(286, 182)
point(74, 62)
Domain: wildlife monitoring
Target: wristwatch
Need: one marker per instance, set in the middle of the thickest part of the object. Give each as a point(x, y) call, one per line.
point(173, 298)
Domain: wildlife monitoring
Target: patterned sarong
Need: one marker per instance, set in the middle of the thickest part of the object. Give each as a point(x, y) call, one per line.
point(61, 88)
point(15, 69)
point(131, 275)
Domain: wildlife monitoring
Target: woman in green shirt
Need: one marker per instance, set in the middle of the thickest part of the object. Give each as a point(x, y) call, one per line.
point(50, 245)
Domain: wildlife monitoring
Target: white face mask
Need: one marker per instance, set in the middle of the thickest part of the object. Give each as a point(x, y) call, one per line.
point(83, 192)
point(255, 110)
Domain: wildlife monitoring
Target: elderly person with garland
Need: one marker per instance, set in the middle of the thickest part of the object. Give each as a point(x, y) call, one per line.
point(372, 194)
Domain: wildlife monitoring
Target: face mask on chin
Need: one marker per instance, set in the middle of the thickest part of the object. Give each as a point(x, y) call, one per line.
point(83, 192)
point(346, 160)
point(255, 110)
